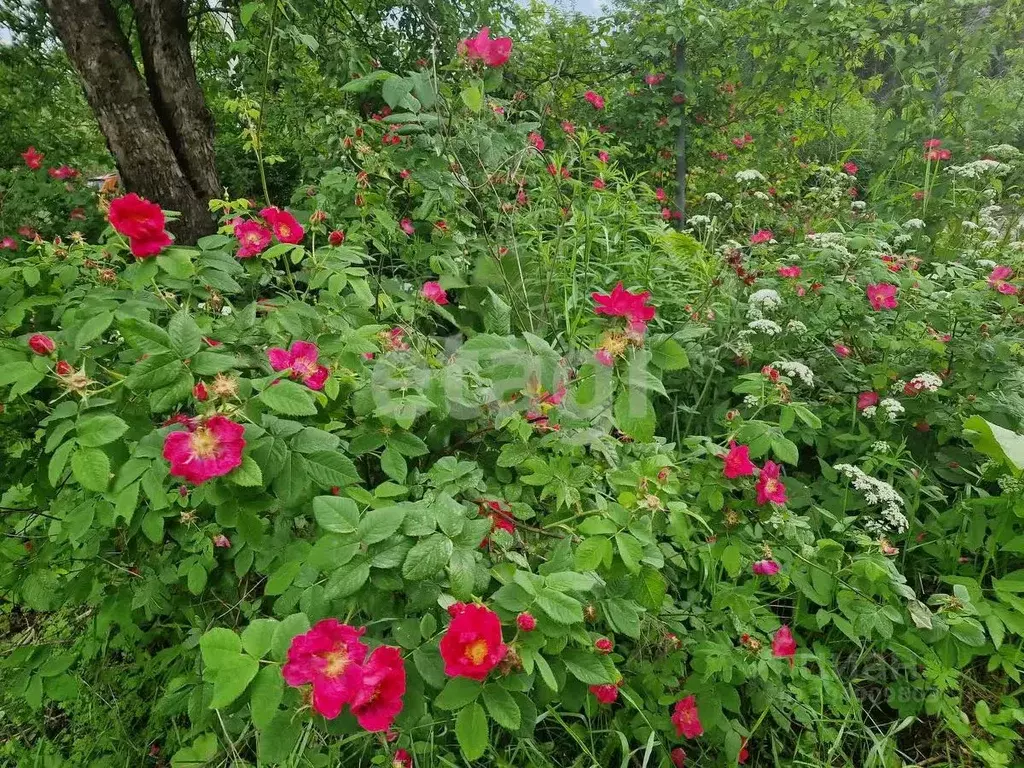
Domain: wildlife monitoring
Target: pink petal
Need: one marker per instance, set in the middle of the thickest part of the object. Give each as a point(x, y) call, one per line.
point(279, 358)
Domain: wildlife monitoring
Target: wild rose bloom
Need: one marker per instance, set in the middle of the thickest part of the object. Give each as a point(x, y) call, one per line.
point(998, 278)
point(790, 271)
point(783, 644)
point(378, 699)
point(210, 448)
point(765, 568)
point(199, 392)
point(32, 158)
point(678, 757)
point(536, 140)
point(407, 227)
point(144, 247)
point(769, 486)
point(604, 357)
point(606, 693)
point(302, 360)
point(867, 400)
point(737, 461)
point(603, 645)
point(493, 53)
point(761, 236)
point(253, 238)
point(654, 79)
point(8, 244)
point(526, 622)
point(471, 646)
point(659, 193)
point(41, 344)
point(402, 759)
point(932, 143)
point(63, 173)
point(329, 656)
point(221, 541)
point(686, 718)
point(1008, 289)
point(286, 227)
point(623, 303)
point(602, 156)
point(136, 217)
point(434, 293)
point(336, 238)
point(882, 296)
point(595, 99)
point(598, 184)
point(841, 349)
point(851, 168)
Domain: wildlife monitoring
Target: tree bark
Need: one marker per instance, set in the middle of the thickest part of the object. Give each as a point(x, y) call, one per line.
point(115, 90)
point(175, 92)
point(681, 137)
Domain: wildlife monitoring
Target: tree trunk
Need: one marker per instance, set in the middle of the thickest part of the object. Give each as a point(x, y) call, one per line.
point(115, 90)
point(681, 137)
point(175, 92)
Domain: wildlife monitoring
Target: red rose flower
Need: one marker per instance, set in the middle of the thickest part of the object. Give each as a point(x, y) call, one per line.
point(882, 296)
point(434, 293)
point(472, 646)
point(783, 644)
point(199, 392)
point(769, 486)
point(41, 344)
point(301, 359)
point(493, 53)
point(253, 238)
point(378, 700)
point(737, 461)
point(867, 400)
point(329, 656)
point(686, 718)
point(210, 448)
point(32, 158)
point(606, 693)
point(63, 368)
point(136, 217)
point(286, 227)
point(622, 303)
point(336, 238)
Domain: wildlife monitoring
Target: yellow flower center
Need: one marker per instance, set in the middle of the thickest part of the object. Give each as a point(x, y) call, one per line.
point(203, 443)
point(337, 662)
point(283, 231)
point(771, 486)
point(476, 652)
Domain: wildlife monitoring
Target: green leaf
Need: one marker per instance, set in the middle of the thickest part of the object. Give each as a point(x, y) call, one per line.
point(428, 557)
point(58, 461)
point(379, 524)
point(545, 672)
point(587, 667)
point(635, 416)
point(286, 630)
point(196, 579)
point(329, 469)
point(457, 693)
point(208, 363)
point(347, 580)
point(186, 338)
point(731, 560)
point(282, 577)
point(462, 573)
point(995, 441)
point(630, 550)
point(177, 262)
point(248, 473)
point(560, 607)
point(669, 355)
point(502, 707)
point(786, 450)
point(289, 398)
point(592, 552)
point(623, 616)
point(473, 95)
point(471, 731)
point(266, 694)
point(393, 464)
point(100, 429)
point(145, 336)
point(93, 328)
point(91, 469)
point(256, 637)
point(336, 514)
point(154, 372)
point(395, 89)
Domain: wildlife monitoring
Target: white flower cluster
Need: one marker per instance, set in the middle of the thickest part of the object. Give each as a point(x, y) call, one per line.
point(712, 197)
point(978, 168)
point(697, 220)
point(795, 370)
point(926, 382)
point(763, 301)
point(1004, 151)
point(858, 205)
point(749, 175)
point(901, 239)
point(878, 492)
point(795, 326)
point(970, 226)
point(762, 196)
point(891, 409)
point(913, 224)
point(765, 326)
point(880, 447)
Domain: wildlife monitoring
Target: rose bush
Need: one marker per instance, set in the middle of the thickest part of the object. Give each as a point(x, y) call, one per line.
point(463, 457)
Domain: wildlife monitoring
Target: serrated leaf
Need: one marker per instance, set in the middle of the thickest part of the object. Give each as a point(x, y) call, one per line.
point(186, 338)
point(266, 694)
point(587, 667)
point(248, 473)
point(93, 328)
point(347, 580)
point(336, 514)
point(427, 557)
point(502, 707)
point(561, 608)
point(457, 693)
point(379, 524)
point(99, 429)
point(328, 469)
point(471, 731)
point(91, 468)
point(288, 398)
